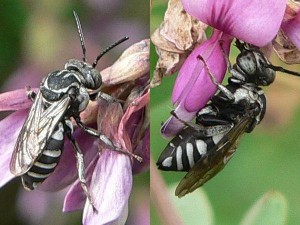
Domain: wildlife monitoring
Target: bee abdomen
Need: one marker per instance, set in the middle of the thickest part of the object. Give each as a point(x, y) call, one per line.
point(47, 162)
point(184, 151)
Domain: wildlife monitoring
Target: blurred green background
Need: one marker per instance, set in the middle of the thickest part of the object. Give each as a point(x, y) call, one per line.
point(267, 159)
point(38, 37)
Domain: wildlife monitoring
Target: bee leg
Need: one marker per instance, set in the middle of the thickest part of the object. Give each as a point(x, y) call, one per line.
point(109, 98)
point(221, 87)
point(240, 45)
point(81, 169)
point(30, 93)
point(208, 131)
point(240, 75)
point(105, 139)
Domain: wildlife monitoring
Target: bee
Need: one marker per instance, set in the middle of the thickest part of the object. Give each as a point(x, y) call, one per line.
point(204, 148)
point(63, 94)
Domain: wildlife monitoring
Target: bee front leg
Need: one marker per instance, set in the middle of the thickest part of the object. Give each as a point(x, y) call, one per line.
point(208, 131)
point(105, 139)
point(81, 169)
point(30, 93)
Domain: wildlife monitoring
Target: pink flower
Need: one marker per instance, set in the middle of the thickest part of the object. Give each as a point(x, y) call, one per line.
point(255, 22)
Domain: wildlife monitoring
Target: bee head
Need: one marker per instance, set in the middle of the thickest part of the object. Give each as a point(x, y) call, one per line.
point(255, 67)
point(90, 77)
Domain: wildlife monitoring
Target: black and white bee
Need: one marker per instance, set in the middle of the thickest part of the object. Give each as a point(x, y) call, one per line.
point(204, 148)
point(63, 95)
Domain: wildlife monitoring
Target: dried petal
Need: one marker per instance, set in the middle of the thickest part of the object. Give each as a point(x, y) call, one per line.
point(168, 63)
point(285, 49)
point(180, 28)
point(131, 65)
point(176, 36)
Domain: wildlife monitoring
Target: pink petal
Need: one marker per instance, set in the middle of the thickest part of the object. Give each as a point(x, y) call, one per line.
point(110, 188)
point(134, 112)
point(15, 100)
point(109, 117)
point(193, 87)
point(143, 150)
point(9, 129)
point(75, 198)
point(254, 21)
point(66, 171)
point(172, 126)
point(291, 29)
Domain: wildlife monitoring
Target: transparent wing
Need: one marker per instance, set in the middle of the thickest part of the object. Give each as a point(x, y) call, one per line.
point(209, 165)
point(37, 129)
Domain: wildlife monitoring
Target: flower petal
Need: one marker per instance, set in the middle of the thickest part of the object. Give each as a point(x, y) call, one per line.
point(291, 29)
point(75, 198)
point(244, 19)
point(134, 116)
point(142, 150)
point(193, 87)
point(132, 64)
point(172, 126)
point(15, 100)
point(9, 129)
point(110, 188)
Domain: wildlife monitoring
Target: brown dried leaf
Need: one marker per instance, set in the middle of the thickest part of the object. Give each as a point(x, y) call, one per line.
point(285, 49)
point(292, 8)
point(178, 34)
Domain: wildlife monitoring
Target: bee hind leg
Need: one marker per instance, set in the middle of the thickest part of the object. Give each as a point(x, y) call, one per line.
point(208, 131)
point(81, 170)
point(105, 139)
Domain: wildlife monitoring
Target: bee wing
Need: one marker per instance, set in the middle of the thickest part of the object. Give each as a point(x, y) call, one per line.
point(37, 129)
point(214, 161)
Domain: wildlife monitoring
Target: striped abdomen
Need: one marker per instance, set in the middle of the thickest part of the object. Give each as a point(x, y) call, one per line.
point(184, 150)
point(48, 160)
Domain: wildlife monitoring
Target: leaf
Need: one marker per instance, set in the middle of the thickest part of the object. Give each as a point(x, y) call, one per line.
point(194, 208)
point(271, 208)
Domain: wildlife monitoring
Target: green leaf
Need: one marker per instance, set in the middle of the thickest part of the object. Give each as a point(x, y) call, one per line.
point(271, 208)
point(194, 208)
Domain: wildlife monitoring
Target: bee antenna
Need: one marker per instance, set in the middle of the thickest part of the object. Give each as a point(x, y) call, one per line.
point(80, 35)
point(279, 68)
point(108, 49)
